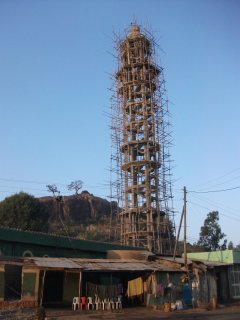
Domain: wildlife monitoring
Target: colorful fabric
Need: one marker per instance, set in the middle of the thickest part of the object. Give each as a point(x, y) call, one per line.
point(160, 289)
point(135, 287)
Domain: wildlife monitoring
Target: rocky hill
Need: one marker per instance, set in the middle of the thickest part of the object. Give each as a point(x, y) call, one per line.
point(83, 215)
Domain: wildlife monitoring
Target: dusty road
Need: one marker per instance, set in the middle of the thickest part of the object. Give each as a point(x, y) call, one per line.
point(226, 313)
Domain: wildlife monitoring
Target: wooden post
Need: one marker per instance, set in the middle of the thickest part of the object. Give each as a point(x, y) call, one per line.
point(185, 225)
point(42, 289)
point(80, 286)
point(179, 229)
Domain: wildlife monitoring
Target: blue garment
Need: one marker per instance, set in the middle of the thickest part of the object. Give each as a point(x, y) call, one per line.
point(187, 295)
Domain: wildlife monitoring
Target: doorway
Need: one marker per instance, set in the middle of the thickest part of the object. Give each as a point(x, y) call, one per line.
point(53, 288)
point(13, 282)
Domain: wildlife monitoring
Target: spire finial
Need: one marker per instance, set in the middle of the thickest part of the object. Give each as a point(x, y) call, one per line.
point(135, 30)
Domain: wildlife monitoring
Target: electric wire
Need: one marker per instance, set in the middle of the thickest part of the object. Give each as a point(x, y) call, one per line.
point(28, 181)
point(223, 183)
point(210, 191)
point(216, 204)
point(222, 214)
point(218, 178)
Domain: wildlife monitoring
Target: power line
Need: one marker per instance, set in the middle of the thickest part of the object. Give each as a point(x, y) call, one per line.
point(9, 193)
point(20, 188)
point(216, 204)
point(28, 181)
point(224, 182)
point(222, 214)
point(98, 185)
point(218, 178)
point(210, 191)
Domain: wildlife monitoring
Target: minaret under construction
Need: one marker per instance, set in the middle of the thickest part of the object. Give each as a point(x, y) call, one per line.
point(141, 141)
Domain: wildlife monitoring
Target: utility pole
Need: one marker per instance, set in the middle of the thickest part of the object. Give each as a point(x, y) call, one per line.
point(183, 217)
point(178, 234)
point(185, 225)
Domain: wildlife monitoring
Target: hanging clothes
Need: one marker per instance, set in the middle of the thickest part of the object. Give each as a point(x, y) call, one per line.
point(135, 287)
point(160, 290)
point(119, 289)
point(103, 291)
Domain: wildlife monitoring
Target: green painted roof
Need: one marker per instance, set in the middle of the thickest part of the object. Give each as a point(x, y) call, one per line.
point(43, 239)
point(227, 256)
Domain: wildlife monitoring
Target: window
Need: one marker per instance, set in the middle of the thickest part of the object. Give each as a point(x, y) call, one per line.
point(235, 279)
point(27, 253)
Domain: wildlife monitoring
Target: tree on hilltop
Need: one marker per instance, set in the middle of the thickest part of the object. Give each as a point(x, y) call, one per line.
point(53, 189)
point(25, 212)
point(76, 186)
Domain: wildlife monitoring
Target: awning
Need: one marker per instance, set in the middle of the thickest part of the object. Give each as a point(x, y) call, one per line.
point(97, 264)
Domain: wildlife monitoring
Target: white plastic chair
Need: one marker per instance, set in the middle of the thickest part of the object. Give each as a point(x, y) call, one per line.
point(75, 303)
point(97, 302)
point(112, 303)
point(90, 303)
point(106, 305)
point(119, 302)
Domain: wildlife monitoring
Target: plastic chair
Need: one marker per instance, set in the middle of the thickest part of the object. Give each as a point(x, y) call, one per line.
point(119, 302)
point(90, 303)
point(75, 303)
point(97, 302)
point(113, 303)
point(83, 303)
point(106, 305)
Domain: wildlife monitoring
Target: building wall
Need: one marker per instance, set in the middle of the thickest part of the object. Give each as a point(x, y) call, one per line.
point(231, 257)
point(226, 256)
point(236, 256)
point(234, 281)
point(15, 249)
point(30, 286)
point(17, 243)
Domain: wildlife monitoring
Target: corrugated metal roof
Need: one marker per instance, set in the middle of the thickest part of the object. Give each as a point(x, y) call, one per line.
point(177, 260)
point(51, 263)
point(97, 264)
point(192, 260)
point(11, 260)
point(211, 263)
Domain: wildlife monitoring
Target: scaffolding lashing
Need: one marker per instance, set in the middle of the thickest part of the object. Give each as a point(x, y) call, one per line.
point(141, 165)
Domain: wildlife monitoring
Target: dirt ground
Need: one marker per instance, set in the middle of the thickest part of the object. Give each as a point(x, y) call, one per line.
point(229, 312)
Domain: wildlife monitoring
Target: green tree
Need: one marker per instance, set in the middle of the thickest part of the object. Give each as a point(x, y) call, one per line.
point(23, 211)
point(230, 245)
point(237, 247)
point(211, 234)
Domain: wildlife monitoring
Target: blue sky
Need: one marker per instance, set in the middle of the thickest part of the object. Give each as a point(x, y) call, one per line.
point(56, 63)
